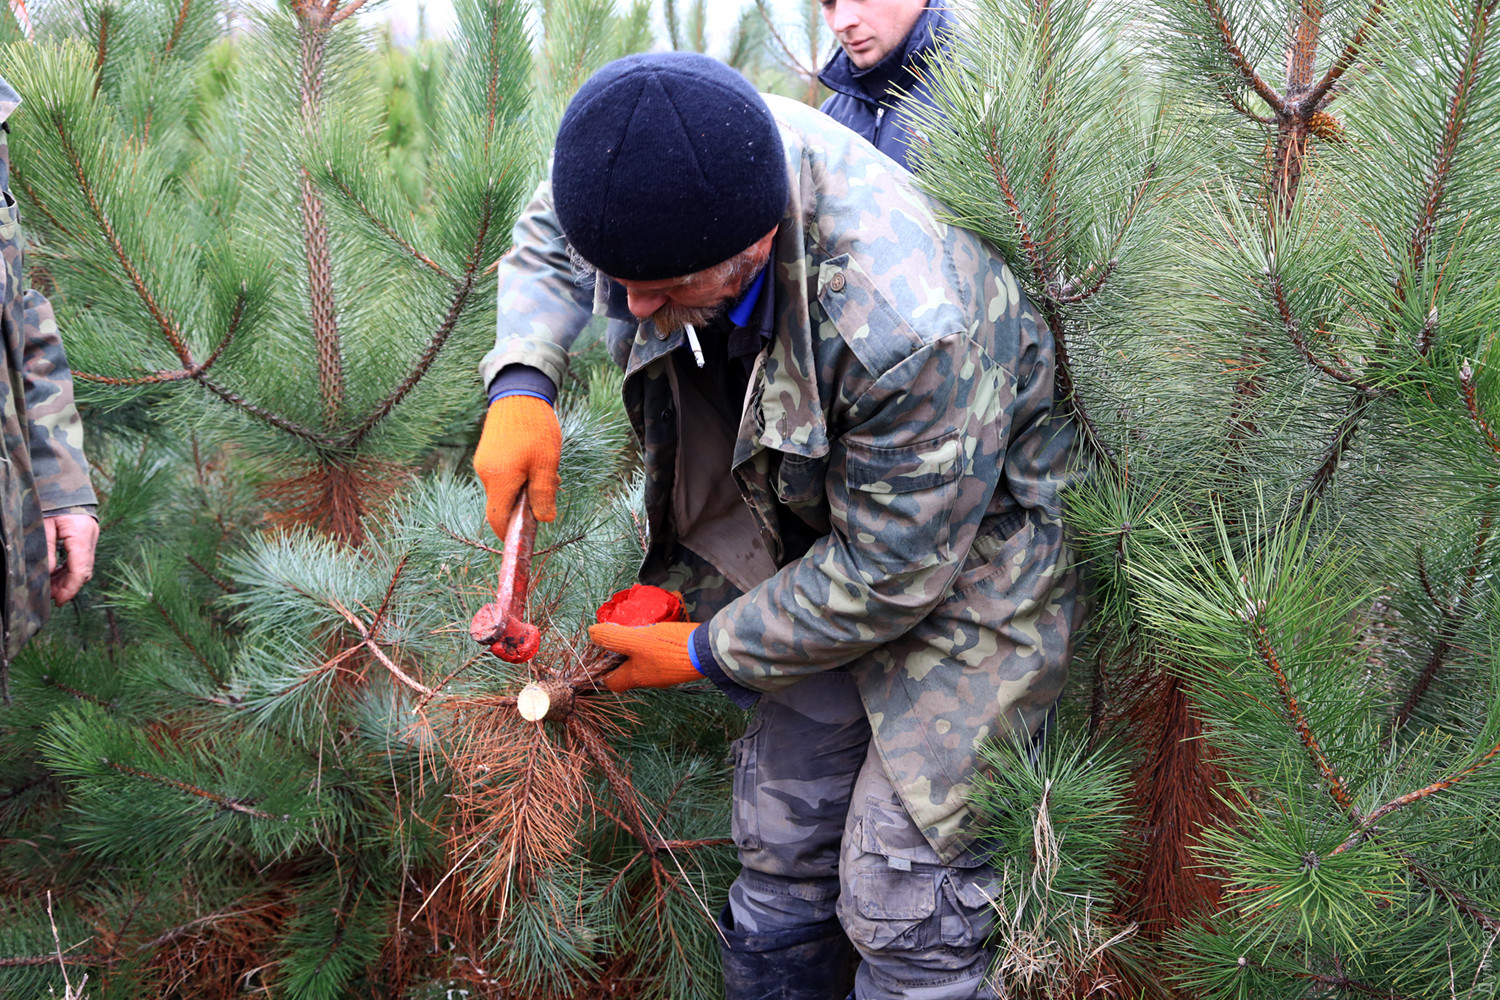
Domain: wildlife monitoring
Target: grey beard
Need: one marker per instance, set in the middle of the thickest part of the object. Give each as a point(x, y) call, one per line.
point(671, 317)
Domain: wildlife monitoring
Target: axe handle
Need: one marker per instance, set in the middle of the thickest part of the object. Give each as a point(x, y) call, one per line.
point(515, 563)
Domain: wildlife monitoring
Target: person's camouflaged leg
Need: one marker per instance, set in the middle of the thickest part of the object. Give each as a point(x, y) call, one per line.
point(794, 770)
point(919, 925)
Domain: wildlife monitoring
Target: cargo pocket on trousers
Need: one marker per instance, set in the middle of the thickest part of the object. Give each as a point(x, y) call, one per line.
point(744, 817)
point(895, 909)
point(968, 912)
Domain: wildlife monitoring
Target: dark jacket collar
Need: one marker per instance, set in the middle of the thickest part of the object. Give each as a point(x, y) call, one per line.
point(926, 38)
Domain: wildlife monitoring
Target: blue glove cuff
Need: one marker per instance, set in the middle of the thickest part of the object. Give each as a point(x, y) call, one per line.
point(507, 393)
point(692, 648)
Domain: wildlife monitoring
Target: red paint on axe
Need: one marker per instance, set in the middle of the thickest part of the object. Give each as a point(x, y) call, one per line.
point(499, 624)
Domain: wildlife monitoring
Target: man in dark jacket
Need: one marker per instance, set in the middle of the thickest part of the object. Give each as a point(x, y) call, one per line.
point(877, 73)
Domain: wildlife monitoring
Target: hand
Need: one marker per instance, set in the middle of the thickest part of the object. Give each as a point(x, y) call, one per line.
point(78, 533)
point(520, 447)
point(657, 655)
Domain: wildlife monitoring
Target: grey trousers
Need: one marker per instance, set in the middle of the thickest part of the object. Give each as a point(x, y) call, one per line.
point(821, 832)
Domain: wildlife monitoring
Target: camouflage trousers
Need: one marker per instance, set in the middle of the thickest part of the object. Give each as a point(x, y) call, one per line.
point(821, 833)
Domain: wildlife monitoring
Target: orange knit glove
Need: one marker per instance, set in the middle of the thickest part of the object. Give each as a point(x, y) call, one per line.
point(658, 654)
point(520, 446)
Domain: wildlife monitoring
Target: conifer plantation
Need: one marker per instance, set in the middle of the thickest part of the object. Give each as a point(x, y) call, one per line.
point(262, 756)
point(265, 757)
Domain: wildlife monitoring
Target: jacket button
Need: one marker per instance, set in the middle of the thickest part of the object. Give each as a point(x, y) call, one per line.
point(837, 281)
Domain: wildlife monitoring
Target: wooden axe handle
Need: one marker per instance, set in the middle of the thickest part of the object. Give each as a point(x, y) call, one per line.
point(515, 564)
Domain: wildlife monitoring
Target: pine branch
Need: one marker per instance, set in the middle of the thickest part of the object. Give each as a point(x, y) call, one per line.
point(1237, 59)
point(1336, 787)
point(261, 413)
point(51, 681)
point(1460, 902)
point(1064, 375)
point(1447, 624)
point(368, 641)
point(1002, 179)
point(439, 337)
point(222, 801)
point(32, 961)
point(1304, 49)
point(165, 324)
point(1338, 445)
point(1366, 826)
point(346, 10)
point(1232, 99)
point(470, 542)
point(1352, 48)
point(1453, 128)
point(241, 300)
point(1435, 661)
point(624, 792)
point(19, 178)
point(223, 585)
point(793, 63)
point(390, 591)
point(1067, 296)
point(1426, 582)
point(102, 49)
point(380, 224)
point(192, 371)
point(1471, 403)
point(177, 26)
point(174, 933)
point(156, 378)
point(1345, 983)
point(445, 681)
point(1428, 333)
point(183, 637)
point(1339, 373)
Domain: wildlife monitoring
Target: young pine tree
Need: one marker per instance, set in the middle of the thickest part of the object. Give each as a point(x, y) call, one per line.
point(1275, 309)
point(270, 758)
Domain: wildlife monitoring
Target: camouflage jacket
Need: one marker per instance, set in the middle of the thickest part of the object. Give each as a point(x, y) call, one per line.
point(904, 411)
point(44, 468)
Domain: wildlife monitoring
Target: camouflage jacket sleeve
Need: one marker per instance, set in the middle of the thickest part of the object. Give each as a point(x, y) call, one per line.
point(542, 302)
point(909, 482)
point(57, 460)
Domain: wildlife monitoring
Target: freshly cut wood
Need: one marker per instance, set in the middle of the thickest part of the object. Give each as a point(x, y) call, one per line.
point(545, 700)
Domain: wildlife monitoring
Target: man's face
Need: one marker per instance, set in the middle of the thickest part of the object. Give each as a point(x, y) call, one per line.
point(672, 303)
point(869, 29)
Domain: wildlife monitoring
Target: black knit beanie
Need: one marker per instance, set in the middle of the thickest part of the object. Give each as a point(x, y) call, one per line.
point(666, 163)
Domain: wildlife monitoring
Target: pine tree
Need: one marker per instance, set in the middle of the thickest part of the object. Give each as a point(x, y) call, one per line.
point(1273, 292)
point(268, 756)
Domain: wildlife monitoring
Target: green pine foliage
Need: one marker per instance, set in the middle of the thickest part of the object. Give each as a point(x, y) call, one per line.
point(1263, 237)
point(166, 240)
point(254, 756)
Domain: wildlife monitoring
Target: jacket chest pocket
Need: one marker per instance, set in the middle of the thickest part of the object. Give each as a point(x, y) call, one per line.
point(902, 497)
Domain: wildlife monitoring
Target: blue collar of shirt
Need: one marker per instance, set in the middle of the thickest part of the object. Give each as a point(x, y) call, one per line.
point(739, 313)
